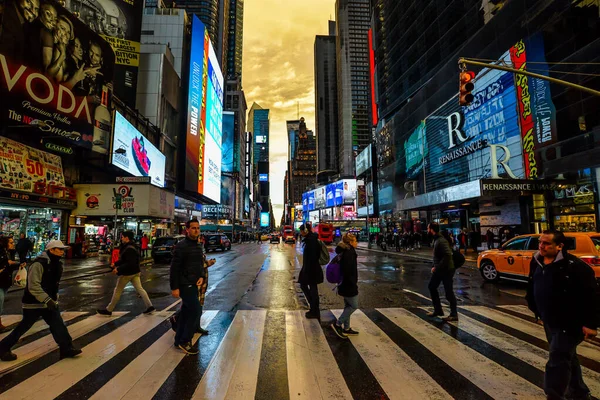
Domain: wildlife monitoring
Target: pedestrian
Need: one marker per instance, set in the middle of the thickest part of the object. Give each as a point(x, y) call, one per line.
point(201, 297)
point(23, 247)
point(463, 240)
point(489, 237)
point(474, 238)
point(127, 267)
point(442, 272)
point(144, 243)
point(40, 300)
point(562, 291)
point(311, 273)
point(7, 267)
point(349, 286)
point(187, 274)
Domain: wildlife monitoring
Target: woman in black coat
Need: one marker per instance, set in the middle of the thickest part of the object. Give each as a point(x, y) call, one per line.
point(311, 273)
point(7, 267)
point(349, 286)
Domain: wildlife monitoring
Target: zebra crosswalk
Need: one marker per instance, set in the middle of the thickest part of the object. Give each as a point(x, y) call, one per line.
point(400, 353)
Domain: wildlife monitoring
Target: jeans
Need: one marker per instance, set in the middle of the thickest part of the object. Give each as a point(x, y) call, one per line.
point(189, 319)
point(121, 283)
point(177, 317)
point(445, 277)
point(30, 316)
point(350, 305)
point(311, 292)
point(2, 295)
point(563, 372)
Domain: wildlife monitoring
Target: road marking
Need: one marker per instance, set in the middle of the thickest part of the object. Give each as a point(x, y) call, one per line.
point(8, 320)
point(492, 378)
point(396, 372)
point(584, 349)
point(44, 345)
point(313, 372)
point(416, 294)
point(520, 309)
point(59, 377)
point(41, 324)
point(233, 371)
point(142, 378)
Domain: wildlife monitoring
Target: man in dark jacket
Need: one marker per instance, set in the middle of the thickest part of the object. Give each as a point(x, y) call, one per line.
point(311, 273)
point(562, 291)
point(128, 269)
point(348, 288)
point(23, 247)
point(442, 272)
point(40, 299)
point(187, 274)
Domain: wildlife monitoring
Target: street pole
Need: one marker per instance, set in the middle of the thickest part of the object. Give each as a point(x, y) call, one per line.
point(367, 218)
point(234, 207)
point(117, 206)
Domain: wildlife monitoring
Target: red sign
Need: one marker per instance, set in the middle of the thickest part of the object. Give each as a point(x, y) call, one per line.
point(372, 76)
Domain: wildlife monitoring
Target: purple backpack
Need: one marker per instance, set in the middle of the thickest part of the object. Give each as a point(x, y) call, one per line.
point(333, 271)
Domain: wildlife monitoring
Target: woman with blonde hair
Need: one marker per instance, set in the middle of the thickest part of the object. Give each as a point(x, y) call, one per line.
point(348, 288)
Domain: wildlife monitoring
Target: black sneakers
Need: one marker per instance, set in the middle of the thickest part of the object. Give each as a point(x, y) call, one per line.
point(435, 314)
point(104, 312)
point(311, 315)
point(8, 356)
point(187, 348)
point(173, 322)
point(338, 331)
point(201, 331)
point(450, 318)
point(69, 353)
point(350, 332)
point(149, 310)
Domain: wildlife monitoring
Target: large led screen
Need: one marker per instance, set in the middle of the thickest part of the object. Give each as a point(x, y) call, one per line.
point(264, 219)
point(140, 158)
point(205, 117)
point(227, 155)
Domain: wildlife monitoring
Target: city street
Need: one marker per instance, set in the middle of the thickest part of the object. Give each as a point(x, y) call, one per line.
point(260, 345)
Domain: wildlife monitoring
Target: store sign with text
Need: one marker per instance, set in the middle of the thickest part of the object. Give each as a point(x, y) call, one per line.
point(216, 212)
point(69, 99)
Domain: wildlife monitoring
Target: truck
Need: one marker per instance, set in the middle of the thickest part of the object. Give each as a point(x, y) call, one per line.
point(288, 234)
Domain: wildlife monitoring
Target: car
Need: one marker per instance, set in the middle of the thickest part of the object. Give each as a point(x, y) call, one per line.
point(216, 241)
point(162, 248)
point(274, 239)
point(512, 260)
point(264, 237)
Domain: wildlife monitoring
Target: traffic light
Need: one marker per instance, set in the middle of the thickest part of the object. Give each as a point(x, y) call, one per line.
point(466, 86)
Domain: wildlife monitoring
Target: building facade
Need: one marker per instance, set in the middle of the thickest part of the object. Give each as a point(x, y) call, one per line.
point(208, 12)
point(302, 161)
point(353, 86)
point(236, 38)
point(326, 105)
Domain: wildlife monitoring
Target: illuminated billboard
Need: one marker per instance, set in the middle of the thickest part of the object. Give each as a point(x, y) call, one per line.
point(264, 219)
point(140, 158)
point(263, 177)
point(205, 117)
point(227, 154)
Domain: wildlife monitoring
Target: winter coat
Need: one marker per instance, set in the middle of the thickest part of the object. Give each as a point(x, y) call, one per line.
point(129, 260)
point(564, 293)
point(43, 278)
point(144, 242)
point(187, 265)
point(311, 272)
point(442, 254)
point(349, 268)
point(23, 245)
point(7, 270)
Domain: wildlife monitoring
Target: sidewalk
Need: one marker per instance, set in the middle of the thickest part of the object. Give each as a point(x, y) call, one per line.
point(423, 254)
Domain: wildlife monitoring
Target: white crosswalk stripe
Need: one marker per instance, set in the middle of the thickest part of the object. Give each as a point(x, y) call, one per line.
point(390, 349)
point(41, 325)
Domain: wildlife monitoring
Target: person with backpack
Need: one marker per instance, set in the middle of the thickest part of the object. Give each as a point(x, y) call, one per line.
point(563, 292)
point(348, 287)
point(442, 272)
point(127, 267)
point(311, 273)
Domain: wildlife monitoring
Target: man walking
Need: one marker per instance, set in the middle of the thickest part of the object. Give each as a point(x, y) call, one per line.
point(187, 274)
point(442, 272)
point(311, 273)
point(23, 247)
point(40, 300)
point(128, 269)
point(562, 291)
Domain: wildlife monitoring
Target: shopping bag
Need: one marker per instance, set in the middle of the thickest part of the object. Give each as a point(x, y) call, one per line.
point(21, 277)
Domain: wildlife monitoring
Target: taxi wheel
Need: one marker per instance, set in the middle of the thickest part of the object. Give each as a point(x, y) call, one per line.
point(489, 271)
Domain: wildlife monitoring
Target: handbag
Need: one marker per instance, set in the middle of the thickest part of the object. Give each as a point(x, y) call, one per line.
point(21, 277)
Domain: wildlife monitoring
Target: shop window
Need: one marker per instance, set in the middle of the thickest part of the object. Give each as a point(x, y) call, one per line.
point(517, 244)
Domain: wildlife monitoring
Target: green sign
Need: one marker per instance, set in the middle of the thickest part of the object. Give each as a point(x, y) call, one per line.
point(58, 148)
point(118, 201)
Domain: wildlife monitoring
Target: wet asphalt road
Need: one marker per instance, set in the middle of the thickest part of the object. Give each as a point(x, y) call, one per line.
point(262, 276)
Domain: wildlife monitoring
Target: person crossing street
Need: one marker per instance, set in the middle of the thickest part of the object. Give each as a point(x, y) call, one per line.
point(311, 274)
point(442, 272)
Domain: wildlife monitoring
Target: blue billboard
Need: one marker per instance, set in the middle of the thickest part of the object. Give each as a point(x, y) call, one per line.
point(263, 177)
point(305, 203)
point(311, 200)
point(227, 142)
point(330, 195)
point(339, 193)
point(264, 219)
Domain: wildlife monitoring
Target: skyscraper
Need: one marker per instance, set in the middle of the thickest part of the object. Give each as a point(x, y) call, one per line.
point(236, 35)
point(326, 105)
point(258, 124)
point(208, 12)
point(352, 47)
point(302, 160)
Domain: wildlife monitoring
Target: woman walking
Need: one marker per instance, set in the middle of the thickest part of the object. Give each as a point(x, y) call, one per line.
point(349, 286)
point(7, 267)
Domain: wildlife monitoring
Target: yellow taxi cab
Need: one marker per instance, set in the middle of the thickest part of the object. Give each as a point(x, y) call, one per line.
point(512, 260)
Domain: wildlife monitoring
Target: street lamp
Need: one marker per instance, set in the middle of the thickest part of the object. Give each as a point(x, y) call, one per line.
point(118, 199)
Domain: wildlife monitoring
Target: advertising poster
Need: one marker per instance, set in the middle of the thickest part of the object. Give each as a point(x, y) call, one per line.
point(415, 150)
point(320, 198)
point(205, 117)
point(216, 212)
point(330, 195)
point(227, 164)
point(349, 191)
point(313, 217)
point(227, 191)
point(264, 219)
point(299, 213)
point(246, 200)
point(141, 158)
point(311, 200)
point(305, 203)
point(119, 22)
point(363, 161)
point(56, 74)
point(339, 193)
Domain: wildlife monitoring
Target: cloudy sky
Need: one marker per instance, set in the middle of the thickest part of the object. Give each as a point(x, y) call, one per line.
point(278, 70)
